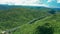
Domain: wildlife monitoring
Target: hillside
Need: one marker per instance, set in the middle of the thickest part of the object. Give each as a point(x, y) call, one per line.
point(25, 20)
point(54, 20)
point(14, 17)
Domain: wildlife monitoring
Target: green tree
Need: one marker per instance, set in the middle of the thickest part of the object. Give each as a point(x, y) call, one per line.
point(45, 29)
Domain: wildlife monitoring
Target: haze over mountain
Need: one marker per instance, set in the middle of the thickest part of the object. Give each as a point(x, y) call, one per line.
point(46, 3)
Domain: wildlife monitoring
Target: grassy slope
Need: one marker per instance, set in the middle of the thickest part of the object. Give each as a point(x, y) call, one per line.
point(54, 20)
point(17, 16)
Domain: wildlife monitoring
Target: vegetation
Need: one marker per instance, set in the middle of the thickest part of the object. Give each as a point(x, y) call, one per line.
point(14, 17)
point(53, 20)
point(52, 12)
point(21, 17)
point(45, 29)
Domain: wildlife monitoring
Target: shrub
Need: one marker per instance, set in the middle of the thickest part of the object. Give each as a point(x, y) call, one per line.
point(52, 12)
point(45, 29)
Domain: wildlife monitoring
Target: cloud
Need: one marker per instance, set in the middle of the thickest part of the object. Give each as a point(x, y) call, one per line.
point(22, 2)
point(49, 0)
point(18, 1)
point(58, 1)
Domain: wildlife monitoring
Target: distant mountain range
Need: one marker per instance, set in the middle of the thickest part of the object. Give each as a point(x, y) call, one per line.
point(5, 7)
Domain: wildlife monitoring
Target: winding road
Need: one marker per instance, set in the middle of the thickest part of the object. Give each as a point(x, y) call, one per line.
point(14, 29)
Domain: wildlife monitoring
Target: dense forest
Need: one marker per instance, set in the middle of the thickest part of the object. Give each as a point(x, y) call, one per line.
point(15, 17)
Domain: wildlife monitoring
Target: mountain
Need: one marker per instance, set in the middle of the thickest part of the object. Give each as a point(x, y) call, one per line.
point(34, 28)
point(16, 16)
point(6, 7)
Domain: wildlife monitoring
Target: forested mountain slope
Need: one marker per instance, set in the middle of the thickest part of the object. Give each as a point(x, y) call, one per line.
point(14, 17)
point(53, 20)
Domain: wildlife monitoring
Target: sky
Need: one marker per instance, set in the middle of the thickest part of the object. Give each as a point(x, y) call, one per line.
point(31, 2)
point(18, 2)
